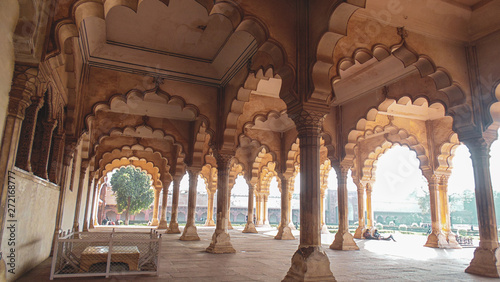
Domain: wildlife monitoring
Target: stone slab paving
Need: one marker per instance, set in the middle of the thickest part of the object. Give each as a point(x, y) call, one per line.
point(261, 258)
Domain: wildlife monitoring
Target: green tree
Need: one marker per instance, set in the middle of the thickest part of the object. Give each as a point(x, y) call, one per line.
point(132, 189)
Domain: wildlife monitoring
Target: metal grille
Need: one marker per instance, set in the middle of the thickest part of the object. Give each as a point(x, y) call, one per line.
point(105, 253)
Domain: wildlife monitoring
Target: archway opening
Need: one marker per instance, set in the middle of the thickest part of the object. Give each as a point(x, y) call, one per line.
point(400, 196)
point(239, 201)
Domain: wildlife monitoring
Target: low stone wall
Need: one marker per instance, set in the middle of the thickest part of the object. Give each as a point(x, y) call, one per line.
point(28, 233)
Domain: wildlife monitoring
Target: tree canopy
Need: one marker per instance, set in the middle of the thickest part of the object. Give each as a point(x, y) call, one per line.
point(132, 189)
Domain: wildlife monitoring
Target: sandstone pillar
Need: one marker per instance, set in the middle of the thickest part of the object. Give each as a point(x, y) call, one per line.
point(436, 238)
point(67, 160)
point(83, 169)
point(290, 211)
point(265, 211)
point(210, 209)
point(369, 210)
point(445, 214)
point(156, 206)
point(343, 239)
point(48, 129)
point(250, 226)
point(163, 213)
point(174, 225)
point(23, 158)
point(284, 231)
point(190, 233)
point(361, 211)
point(220, 240)
point(260, 221)
point(310, 262)
point(91, 185)
point(93, 207)
point(229, 226)
point(324, 229)
point(486, 259)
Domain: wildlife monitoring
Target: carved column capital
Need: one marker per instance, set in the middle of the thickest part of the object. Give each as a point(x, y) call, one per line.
point(69, 151)
point(84, 165)
point(193, 171)
point(22, 89)
point(223, 161)
point(308, 122)
point(478, 147)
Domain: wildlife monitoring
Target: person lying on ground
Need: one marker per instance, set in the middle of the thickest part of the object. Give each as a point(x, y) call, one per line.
point(377, 236)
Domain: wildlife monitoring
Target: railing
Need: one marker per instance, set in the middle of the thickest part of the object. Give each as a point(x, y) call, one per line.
point(82, 254)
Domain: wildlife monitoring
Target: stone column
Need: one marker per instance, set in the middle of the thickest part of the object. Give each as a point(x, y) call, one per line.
point(486, 261)
point(310, 262)
point(23, 158)
point(369, 210)
point(250, 226)
point(260, 221)
point(91, 186)
point(324, 229)
point(229, 225)
point(445, 214)
point(190, 233)
point(290, 212)
point(48, 129)
point(210, 209)
point(436, 238)
point(265, 211)
point(284, 231)
point(361, 211)
point(83, 169)
point(93, 207)
point(163, 213)
point(174, 225)
point(69, 151)
point(156, 206)
point(220, 240)
point(343, 239)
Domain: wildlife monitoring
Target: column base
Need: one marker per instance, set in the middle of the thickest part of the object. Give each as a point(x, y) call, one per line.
point(324, 229)
point(309, 264)
point(486, 262)
point(190, 234)
point(250, 228)
point(154, 222)
point(163, 225)
point(209, 222)
point(436, 240)
point(173, 228)
point(452, 241)
point(359, 232)
point(259, 223)
point(344, 242)
point(229, 226)
point(85, 228)
point(284, 233)
point(292, 226)
point(221, 243)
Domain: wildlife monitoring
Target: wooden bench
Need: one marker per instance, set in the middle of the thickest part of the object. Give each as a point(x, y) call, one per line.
point(99, 254)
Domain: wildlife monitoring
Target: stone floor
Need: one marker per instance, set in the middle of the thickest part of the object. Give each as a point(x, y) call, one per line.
point(261, 258)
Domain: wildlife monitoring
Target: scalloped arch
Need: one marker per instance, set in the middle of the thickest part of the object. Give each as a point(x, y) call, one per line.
point(144, 165)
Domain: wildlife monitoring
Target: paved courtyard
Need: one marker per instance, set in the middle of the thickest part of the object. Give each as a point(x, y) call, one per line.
point(261, 258)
